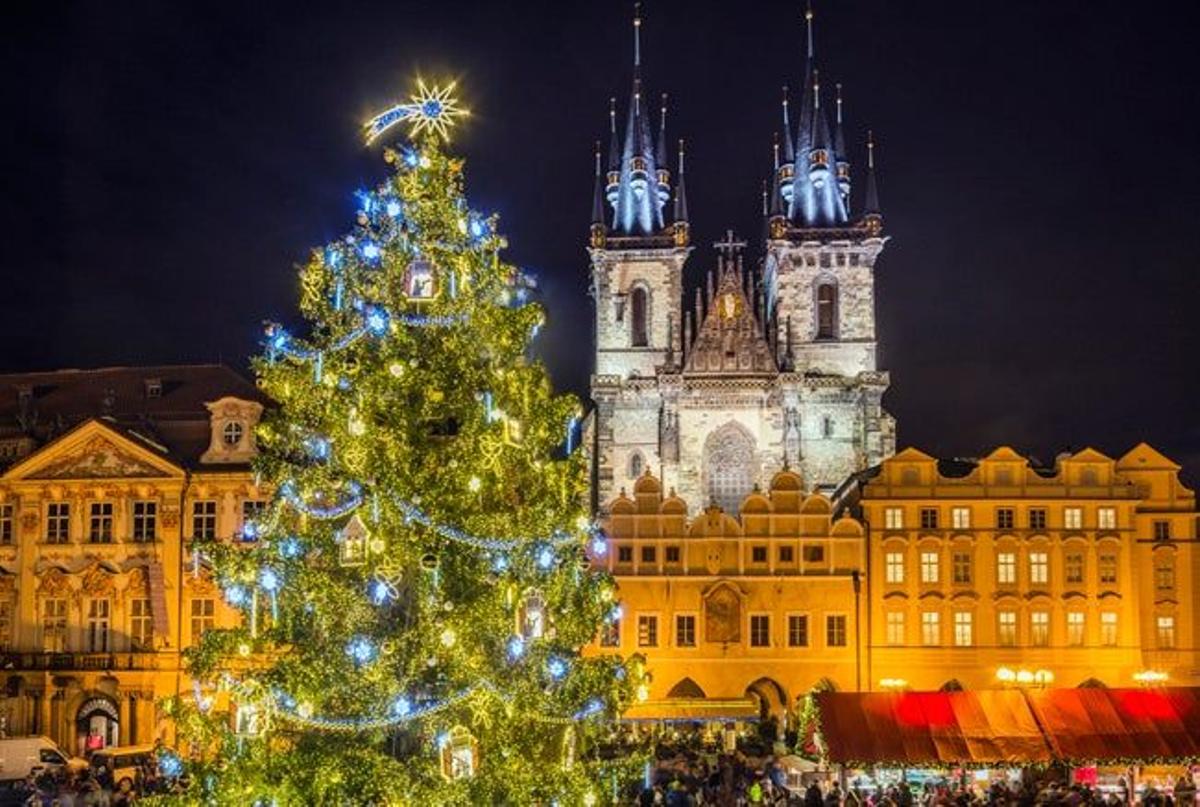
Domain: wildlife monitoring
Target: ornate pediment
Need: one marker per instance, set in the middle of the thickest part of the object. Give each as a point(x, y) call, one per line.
point(730, 340)
point(93, 451)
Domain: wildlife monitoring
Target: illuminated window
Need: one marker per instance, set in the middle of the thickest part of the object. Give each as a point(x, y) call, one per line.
point(141, 626)
point(685, 630)
point(962, 567)
point(203, 619)
point(1004, 518)
point(1075, 626)
point(1039, 628)
point(1073, 567)
point(827, 298)
point(1006, 635)
point(1164, 576)
point(1073, 518)
point(929, 518)
point(798, 630)
point(1037, 518)
point(1166, 632)
point(636, 465)
point(931, 628)
point(204, 519)
point(54, 625)
point(145, 516)
point(100, 523)
point(964, 629)
point(6, 524)
point(895, 627)
point(835, 630)
point(58, 522)
point(760, 630)
point(637, 306)
point(893, 518)
point(1162, 530)
point(1006, 568)
point(1039, 568)
point(1106, 518)
point(893, 569)
point(647, 631)
point(929, 567)
point(96, 638)
point(1108, 568)
point(1108, 629)
point(960, 517)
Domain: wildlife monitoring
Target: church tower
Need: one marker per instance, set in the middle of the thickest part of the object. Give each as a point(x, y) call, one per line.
point(637, 257)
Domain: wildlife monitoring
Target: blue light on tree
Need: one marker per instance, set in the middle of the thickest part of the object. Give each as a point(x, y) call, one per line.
point(361, 650)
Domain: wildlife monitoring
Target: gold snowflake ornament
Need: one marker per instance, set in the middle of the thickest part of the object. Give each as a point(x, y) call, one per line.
point(431, 109)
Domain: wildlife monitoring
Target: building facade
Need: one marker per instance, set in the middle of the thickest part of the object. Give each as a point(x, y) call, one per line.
point(109, 474)
point(775, 364)
point(1086, 570)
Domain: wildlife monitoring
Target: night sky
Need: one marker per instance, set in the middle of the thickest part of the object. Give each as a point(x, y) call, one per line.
point(165, 166)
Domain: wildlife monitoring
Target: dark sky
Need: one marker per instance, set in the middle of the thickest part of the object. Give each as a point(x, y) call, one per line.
point(165, 165)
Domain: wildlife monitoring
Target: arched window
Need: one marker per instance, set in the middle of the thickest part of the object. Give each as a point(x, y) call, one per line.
point(827, 300)
point(728, 466)
point(636, 465)
point(637, 311)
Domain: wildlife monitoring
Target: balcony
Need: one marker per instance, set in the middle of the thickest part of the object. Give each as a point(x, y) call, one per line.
point(83, 661)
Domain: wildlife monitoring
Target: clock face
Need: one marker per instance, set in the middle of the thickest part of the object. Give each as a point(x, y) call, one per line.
point(730, 305)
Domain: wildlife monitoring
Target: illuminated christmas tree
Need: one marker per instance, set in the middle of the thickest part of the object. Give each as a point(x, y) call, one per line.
point(415, 597)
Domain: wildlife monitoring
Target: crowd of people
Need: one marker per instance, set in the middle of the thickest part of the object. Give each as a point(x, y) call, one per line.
point(89, 788)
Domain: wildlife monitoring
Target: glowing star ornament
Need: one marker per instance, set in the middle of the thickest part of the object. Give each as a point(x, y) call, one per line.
point(431, 109)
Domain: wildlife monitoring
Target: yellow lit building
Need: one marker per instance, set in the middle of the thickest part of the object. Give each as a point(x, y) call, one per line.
point(108, 474)
point(1085, 570)
point(736, 616)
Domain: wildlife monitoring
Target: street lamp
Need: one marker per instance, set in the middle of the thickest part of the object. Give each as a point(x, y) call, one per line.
point(892, 684)
point(1025, 678)
point(1149, 678)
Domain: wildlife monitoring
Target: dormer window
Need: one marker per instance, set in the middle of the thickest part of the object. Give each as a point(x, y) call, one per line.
point(232, 433)
point(153, 387)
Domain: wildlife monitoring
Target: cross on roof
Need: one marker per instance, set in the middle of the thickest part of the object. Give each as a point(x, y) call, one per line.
point(729, 246)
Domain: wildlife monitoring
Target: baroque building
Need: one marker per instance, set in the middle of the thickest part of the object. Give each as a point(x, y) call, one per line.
point(773, 367)
point(108, 474)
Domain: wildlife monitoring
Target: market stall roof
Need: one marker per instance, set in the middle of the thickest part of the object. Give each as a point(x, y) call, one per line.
point(930, 728)
point(1145, 725)
point(693, 709)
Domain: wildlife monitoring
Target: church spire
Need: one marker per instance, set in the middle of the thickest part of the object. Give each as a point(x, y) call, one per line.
point(681, 208)
point(872, 214)
point(841, 157)
point(789, 149)
point(598, 229)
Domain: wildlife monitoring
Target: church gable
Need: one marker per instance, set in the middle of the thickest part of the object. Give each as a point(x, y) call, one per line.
point(94, 450)
point(730, 340)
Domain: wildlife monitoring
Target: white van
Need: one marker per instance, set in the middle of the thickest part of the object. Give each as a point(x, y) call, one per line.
point(21, 756)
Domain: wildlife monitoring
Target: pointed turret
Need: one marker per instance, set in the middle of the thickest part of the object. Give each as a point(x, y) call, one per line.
point(872, 213)
point(841, 156)
point(598, 228)
point(614, 155)
point(660, 155)
point(681, 208)
point(789, 148)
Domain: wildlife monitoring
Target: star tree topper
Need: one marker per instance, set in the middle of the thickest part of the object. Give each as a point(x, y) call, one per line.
point(433, 109)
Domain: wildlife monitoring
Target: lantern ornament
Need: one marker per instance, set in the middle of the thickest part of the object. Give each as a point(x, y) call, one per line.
point(248, 720)
point(353, 542)
point(460, 754)
point(531, 616)
point(420, 281)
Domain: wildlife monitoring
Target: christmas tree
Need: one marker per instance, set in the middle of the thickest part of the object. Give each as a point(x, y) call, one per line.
point(415, 597)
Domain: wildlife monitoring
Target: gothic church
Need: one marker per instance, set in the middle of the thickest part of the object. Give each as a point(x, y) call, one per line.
point(775, 365)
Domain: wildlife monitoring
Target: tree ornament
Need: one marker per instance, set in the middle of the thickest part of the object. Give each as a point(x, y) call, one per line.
point(531, 616)
point(248, 720)
point(355, 424)
point(352, 542)
point(460, 754)
point(429, 562)
point(420, 281)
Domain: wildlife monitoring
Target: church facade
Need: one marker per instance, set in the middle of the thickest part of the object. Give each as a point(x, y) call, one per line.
point(774, 365)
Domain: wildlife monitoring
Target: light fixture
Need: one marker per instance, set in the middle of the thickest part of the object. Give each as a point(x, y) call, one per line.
point(892, 684)
point(1150, 677)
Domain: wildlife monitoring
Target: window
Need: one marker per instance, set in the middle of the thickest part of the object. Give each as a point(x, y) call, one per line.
point(1166, 632)
point(54, 625)
point(1162, 530)
point(835, 630)
point(153, 387)
point(758, 554)
point(1004, 518)
point(964, 629)
point(895, 627)
point(145, 516)
point(1108, 629)
point(931, 628)
point(798, 630)
point(893, 518)
point(814, 554)
point(929, 518)
point(1075, 628)
point(1073, 567)
point(58, 522)
point(1039, 568)
point(685, 630)
point(1039, 628)
point(1108, 568)
point(204, 519)
point(649, 554)
point(1006, 633)
point(1106, 518)
point(636, 465)
point(6, 624)
point(610, 633)
point(100, 523)
point(929, 567)
point(203, 609)
point(625, 554)
point(1006, 568)
point(728, 458)
point(760, 630)
point(647, 631)
point(827, 427)
point(827, 295)
point(893, 567)
point(1164, 576)
point(1073, 518)
point(638, 336)
point(251, 510)
point(141, 626)
point(1037, 518)
point(672, 554)
point(786, 554)
point(96, 639)
point(960, 518)
point(6, 524)
point(232, 433)
point(962, 567)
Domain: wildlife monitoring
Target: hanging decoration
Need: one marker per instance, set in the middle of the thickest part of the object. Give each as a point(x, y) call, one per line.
point(352, 542)
point(420, 281)
point(531, 616)
point(460, 754)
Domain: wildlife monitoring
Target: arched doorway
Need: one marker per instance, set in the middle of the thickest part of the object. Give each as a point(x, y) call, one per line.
point(687, 688)
point(772, 700)
point(97, 724)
